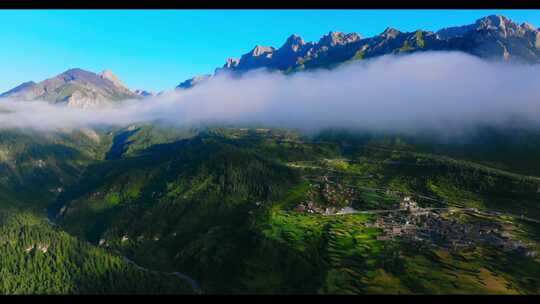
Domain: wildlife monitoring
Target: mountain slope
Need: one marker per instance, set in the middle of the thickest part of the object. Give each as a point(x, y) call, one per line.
point(222, 207)
point(74, 87)
point(39, 258)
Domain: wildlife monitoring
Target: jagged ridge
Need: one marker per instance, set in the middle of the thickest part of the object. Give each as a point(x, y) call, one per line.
point(492, 37)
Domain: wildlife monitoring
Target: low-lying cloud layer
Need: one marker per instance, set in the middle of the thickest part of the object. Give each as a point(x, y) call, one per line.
point(429, 91)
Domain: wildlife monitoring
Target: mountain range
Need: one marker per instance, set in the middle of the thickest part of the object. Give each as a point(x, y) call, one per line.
point(492, 38)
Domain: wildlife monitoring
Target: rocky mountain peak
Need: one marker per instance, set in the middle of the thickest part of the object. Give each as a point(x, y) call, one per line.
point(294, 42)
point(74, 74)
point(504, 26)
point(338, 38)
point(390, 32)
point(330, 39)
point(261, 50)
point(501, 25)
point(493, 22)
point(295, 39)
point(529, 27)
point(108, 75)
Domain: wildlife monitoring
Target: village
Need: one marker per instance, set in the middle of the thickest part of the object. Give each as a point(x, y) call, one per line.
point(408, 221)
point(438, 227)
point(334, 196)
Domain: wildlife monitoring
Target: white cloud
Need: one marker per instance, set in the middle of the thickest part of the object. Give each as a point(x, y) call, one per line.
point(425, 91)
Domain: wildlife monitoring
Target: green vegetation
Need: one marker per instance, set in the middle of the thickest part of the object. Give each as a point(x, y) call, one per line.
point(406, 47)
point(65, 92)
point(221, 206)
point(37, 258)
point(359, 55)
point(418, 35)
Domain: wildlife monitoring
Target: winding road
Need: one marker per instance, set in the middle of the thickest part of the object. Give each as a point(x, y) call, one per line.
point(194, 285)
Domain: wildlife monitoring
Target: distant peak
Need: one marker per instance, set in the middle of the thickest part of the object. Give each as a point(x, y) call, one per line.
point(334, 38)
point(75, 73)
point(528, 26)
point(294, 40)
point(390, 32)
point(74, 70)
point(493, 21)
point(108, 74)
point(352, 36)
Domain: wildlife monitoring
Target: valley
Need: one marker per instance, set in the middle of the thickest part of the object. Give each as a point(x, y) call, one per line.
point(241, 210)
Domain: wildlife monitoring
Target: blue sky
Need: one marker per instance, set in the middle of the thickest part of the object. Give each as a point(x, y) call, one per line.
point(157, 49)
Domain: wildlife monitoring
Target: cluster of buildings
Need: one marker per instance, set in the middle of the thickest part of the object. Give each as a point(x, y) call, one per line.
point(393, 224)
point(409, 221)
point(40, 163)
point(420, 224)
point(409, 204)
point(326, 197)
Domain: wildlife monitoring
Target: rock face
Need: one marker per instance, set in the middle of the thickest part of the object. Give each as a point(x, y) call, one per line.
point(74, 87)
point(496, 37)
point(107, 74)
point(492, 37)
